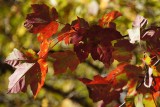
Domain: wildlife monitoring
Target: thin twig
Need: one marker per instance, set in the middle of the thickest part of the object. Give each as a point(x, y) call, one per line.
point(156, 63)
point(122, 104)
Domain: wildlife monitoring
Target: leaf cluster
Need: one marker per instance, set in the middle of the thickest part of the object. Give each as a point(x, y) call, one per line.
point(104, 43)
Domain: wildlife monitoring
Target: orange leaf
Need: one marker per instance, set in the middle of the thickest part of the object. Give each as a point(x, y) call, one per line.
point(48, 31)
point(44, 48)
point(109, 17)
point(43, 70)
point(66, 33)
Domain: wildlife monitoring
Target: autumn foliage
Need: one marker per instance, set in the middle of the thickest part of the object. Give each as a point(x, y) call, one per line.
point(104, 43)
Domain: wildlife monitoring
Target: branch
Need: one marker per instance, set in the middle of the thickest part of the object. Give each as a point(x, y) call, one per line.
point(100, 70)
point(79, 99)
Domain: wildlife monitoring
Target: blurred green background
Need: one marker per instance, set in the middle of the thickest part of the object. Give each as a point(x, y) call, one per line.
point(62, 90)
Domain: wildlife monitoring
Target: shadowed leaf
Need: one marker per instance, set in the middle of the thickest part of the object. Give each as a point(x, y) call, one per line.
point(64, 60)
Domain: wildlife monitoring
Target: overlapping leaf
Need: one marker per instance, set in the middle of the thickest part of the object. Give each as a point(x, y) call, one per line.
point(123, 51)
point(64, 60)
point(101, 89)
point(97, 41)
point(31, 72)
point(78, 27)
point(152, 37)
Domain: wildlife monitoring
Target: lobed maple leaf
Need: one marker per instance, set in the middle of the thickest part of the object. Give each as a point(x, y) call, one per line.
point(64, 60)
point(96, 41)
point(42, 21)
point(28, 72)
point(100, 89)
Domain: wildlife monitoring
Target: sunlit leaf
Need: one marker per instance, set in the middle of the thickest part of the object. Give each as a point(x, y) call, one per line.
point(109, 17)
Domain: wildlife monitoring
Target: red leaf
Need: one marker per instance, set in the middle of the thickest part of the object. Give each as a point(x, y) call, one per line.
point(133, 71)
point(66, 33)
point(77, 27)
point(157, 85)
point(82, 50)
point(97, 41)
point(109, 88)
point(109, 17)
point(151, 36)
point(37, 20)
point(15, 58)
point(31, 73)
point(123, 51)
point(80, 24)
point(97, 80)
point(64, 60)
point(105, 54)
point(122, 74)
point(101, 89)
point(117, 77)
point(42, 20)
point(43, 70)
